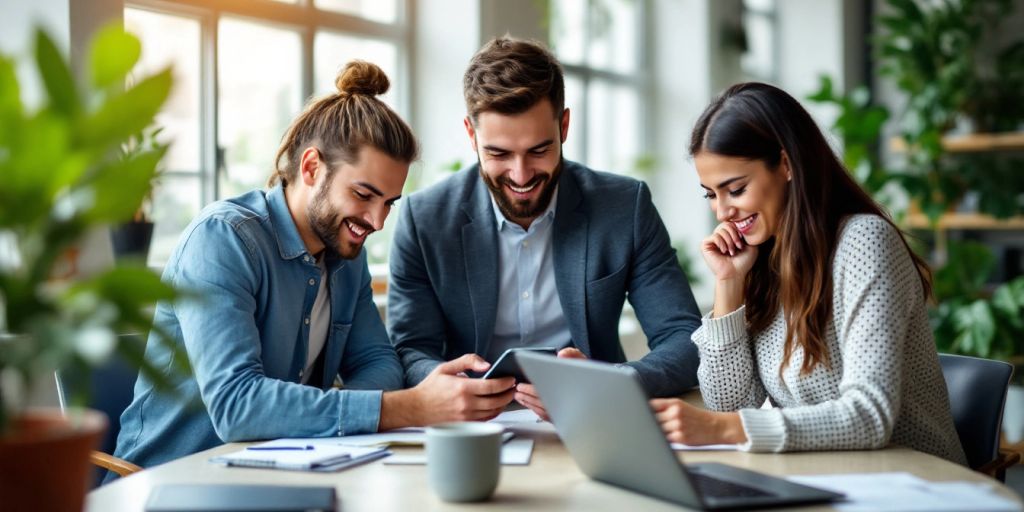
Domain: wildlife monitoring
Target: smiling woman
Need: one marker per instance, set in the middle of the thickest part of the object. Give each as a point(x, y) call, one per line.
point(820, 306)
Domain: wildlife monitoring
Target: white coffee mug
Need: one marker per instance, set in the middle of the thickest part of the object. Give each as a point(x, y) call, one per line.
point(464, 460)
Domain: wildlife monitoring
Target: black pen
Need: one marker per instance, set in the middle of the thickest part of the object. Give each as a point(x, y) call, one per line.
point(280, 448)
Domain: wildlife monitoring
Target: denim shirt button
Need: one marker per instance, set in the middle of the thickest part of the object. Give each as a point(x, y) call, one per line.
point(307, 320)
point(312, 281)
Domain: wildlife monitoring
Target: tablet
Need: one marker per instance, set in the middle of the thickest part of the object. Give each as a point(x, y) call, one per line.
point(507, 366)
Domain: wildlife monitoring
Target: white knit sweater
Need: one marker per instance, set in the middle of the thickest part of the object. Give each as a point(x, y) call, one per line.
point(884, 385)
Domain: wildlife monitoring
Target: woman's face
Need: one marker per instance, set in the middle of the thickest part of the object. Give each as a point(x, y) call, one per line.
point(745, 192)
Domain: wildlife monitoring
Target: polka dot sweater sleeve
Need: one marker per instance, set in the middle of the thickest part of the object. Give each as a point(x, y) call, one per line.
point(727, 376)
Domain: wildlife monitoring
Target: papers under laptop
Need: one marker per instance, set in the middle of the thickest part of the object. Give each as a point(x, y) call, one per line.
point(602, 414)
point(301, 455)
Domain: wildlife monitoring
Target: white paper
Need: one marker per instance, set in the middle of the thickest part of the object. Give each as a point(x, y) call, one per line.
point(516, 452)
point(524, 421)
point(319, 455)
point(906, 492)
point(391, 438)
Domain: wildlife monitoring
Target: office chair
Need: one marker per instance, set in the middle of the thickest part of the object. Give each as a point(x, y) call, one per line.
point(977, 394)
point(112, 386)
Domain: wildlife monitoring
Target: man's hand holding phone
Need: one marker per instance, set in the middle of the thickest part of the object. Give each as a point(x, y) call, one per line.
point(527, 395)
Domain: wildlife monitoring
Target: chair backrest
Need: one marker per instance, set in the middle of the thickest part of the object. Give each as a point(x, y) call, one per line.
point(977, 394)
point(111, 388)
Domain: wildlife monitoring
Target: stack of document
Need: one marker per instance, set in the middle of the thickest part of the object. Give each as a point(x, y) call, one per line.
point(903, 492)
point(297, 454)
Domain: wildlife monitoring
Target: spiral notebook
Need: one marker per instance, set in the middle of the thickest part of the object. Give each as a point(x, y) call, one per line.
point(294, 455)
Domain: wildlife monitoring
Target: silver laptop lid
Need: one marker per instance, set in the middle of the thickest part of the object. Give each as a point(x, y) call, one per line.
point(602, 415)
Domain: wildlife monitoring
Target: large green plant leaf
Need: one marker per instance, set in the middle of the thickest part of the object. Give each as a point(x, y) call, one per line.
point(113, 54)
point(120, 187)
point(127, 287)
point(126, 114)
point(977, 328)
point(10, 100)
point(56, 75)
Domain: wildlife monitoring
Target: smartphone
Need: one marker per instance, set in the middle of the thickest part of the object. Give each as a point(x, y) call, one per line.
point(507, 366)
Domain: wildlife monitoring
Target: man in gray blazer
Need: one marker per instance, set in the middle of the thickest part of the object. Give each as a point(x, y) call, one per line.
point(527, 249)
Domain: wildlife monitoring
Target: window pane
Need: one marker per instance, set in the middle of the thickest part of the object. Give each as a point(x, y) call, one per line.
point(332, 51)
point(567, 29)
point(613, 43)
point(613, 127)
point(573, 147)
point(383, 11)
point(172, 40)
point(175, 204)
point(259, 70)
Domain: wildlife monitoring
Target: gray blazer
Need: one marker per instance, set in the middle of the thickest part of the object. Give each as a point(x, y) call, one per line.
point(609, 245)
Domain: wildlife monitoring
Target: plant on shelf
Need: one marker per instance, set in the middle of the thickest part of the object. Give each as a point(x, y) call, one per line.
point(131, 239)
point(970, 319)
point(938, 54)
point(63, 178)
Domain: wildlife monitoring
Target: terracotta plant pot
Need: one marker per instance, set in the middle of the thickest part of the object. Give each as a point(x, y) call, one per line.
point(44, 460)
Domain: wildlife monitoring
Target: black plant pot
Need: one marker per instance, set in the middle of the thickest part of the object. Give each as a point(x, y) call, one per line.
point(131, 240)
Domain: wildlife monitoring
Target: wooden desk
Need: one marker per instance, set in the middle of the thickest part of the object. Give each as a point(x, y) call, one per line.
point(551, 481)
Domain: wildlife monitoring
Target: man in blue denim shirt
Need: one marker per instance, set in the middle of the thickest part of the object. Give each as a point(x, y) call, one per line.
point(285, 301)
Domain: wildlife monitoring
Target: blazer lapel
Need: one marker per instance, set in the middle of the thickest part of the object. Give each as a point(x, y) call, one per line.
point(480, 250)
point(570, 257)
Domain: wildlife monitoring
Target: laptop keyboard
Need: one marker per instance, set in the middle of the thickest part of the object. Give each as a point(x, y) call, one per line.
point(711, 486)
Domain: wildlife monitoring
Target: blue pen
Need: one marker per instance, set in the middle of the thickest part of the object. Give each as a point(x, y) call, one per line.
point(280, 448)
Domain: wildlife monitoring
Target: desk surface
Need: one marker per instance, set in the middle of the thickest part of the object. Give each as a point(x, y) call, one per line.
point(551, 481)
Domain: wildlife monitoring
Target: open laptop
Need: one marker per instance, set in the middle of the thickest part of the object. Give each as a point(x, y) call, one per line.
point(602, 415)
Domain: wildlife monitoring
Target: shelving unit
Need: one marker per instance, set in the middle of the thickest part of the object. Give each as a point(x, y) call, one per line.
point(978, 221)
point(973, 143)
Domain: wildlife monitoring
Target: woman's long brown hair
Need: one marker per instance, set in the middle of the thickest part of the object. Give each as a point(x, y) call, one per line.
point(756, 121)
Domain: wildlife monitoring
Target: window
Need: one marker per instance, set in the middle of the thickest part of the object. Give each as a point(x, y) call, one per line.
point(243, 71)
point(604, 54)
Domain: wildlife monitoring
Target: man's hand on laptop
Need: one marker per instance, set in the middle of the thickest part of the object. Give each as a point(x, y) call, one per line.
point(684, 423)
point(527, 395)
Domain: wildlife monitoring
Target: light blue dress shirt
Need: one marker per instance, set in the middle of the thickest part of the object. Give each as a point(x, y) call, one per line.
point(529, 312)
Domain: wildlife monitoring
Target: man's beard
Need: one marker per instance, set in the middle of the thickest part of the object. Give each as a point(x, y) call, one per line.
point(520, 208)
point(327, 225)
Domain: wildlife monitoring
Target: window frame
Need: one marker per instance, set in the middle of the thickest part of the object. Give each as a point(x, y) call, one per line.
point(305, 19)
point(640, 81)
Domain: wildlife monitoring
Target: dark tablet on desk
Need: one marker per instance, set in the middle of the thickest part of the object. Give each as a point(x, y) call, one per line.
point(225, 498)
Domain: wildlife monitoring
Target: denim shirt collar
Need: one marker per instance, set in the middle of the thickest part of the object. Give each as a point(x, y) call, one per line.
point(289, 243)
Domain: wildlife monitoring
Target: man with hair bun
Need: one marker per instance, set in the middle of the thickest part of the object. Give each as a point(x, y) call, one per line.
point(528, 249)
point(284, 302)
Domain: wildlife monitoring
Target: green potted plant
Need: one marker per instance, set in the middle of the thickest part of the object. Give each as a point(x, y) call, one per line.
point(63, 177)
point(940, 55)
point(131, 239)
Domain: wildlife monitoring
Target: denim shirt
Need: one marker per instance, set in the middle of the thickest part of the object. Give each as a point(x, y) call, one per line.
point(246, 336)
